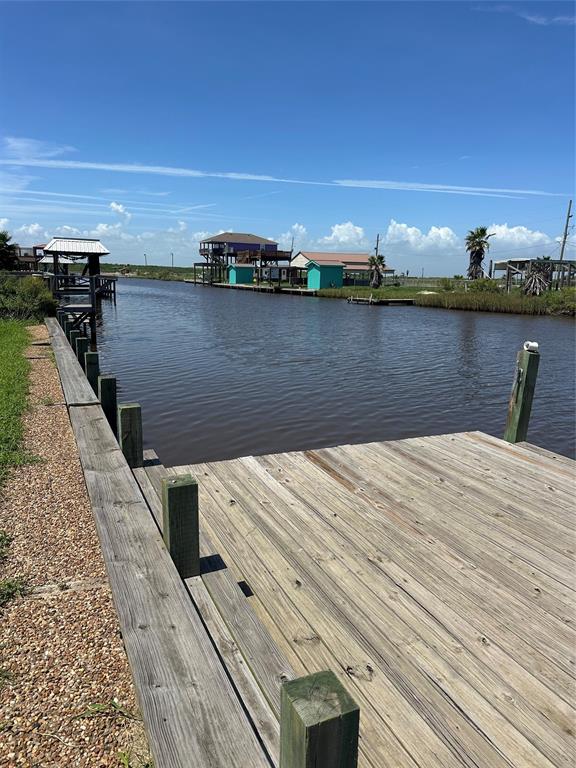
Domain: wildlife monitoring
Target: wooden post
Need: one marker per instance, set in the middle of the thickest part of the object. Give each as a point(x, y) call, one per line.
point(107, 397)
point(73, 335)
point(319, 723)
point(67, 327)
point(522, 395)
point(61, 316)
point(92, 369)
point(81, 349)
point(130, 433)
point(180, 523)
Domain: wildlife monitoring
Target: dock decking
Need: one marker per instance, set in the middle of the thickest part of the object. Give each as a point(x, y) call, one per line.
point(435, 576)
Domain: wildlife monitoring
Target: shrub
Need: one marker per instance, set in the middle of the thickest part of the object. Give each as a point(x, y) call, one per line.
point(484, 285)
point(446, 284)
point(25, 298)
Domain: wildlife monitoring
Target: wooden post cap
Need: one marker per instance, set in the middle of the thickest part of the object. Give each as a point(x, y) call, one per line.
point(319, 723)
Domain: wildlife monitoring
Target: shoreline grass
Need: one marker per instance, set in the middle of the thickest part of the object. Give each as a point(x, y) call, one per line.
point(14, 371)
point(552, 303)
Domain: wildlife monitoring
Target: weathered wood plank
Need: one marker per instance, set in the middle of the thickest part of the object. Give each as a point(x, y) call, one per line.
point(259, 650)
point(192, 713)
point(77, 390)
point(252, 697)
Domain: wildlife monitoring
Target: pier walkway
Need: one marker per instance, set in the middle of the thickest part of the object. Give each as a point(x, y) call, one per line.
point(435, 576)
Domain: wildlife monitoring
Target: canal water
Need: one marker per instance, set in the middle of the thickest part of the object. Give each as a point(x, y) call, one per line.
point(225, 373)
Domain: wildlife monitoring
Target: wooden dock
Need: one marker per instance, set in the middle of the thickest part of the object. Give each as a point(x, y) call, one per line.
point(432, 577)
point(435, 576)
point(379, 302)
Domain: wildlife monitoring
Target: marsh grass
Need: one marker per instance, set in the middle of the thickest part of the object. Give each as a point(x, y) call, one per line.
point(552, 303)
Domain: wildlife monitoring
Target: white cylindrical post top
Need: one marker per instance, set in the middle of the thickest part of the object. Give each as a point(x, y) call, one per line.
point(531, 346)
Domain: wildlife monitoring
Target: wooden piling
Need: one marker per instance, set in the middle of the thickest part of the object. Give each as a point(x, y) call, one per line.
point(130, 433)
point(81, 349)
point(92, 369)
point(67, 327)
point(180, 523)
point(520, 404)
point(319, 723)
point(73, 335)
point(107, 396)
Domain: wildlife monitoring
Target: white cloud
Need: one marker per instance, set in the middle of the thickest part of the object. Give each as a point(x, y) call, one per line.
point(30, 232)
point(403, 238)
point(4, 223)
point(14, 182)
point(23, 149)
point(67, 231)
point(181, 227)
point(345, 235)
point(296, 231)
point(511, 238)
point(121, 211)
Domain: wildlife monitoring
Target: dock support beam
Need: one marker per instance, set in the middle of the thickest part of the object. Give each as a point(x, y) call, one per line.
point(319, 723)
point(130, 434)
point(180, 523)
point(520, 404)
point(92, 369)
point(107, 396)
point(81, 349)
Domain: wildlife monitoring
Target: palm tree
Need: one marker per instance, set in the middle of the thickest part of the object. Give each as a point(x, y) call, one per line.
point(477, 246)
point(7, 251)
point(539, 277)
point(377, 266)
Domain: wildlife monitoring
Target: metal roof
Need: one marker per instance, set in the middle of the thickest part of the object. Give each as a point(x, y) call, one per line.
point(325, 263)
point(239, 237)
point(61, 260)
point(324, 256)
point(75, 246)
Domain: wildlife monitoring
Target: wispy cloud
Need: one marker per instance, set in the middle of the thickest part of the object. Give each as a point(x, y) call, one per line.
point(161, 170)
point(22, 148)
point(540, 19)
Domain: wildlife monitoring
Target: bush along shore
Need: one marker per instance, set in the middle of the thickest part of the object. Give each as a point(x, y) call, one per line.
point(25, 298)
point(66, 696)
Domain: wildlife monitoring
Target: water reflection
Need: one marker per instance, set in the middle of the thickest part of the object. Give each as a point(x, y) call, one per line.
point(223, 373)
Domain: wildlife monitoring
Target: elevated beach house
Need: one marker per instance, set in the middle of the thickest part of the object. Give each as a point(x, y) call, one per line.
point(221, 251)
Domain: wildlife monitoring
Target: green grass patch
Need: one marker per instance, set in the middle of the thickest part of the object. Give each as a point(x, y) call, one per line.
point(385, 292)
point(551, 303)
point(11, 588)
point(5, 541)
point(14, 370)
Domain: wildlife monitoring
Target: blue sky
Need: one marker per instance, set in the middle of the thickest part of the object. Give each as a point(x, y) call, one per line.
point(152, 124)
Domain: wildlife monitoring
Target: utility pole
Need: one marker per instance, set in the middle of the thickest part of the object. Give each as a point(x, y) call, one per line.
point(145, 261)
point(172, 259)
point(565, 235)
point(377, 245)
point(560, 278)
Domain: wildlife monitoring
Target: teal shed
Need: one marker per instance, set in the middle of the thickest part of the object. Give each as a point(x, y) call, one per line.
point(240, 274)
point(325, 275)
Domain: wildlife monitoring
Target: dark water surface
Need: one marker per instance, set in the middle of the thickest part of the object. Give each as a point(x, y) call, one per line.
point(225, 373)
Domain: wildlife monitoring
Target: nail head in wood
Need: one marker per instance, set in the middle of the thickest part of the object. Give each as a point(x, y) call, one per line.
point(180, 523)
point(130, 433)
point(319, 723)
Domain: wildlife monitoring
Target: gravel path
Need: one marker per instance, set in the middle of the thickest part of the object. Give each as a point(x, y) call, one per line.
point(66, 696)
